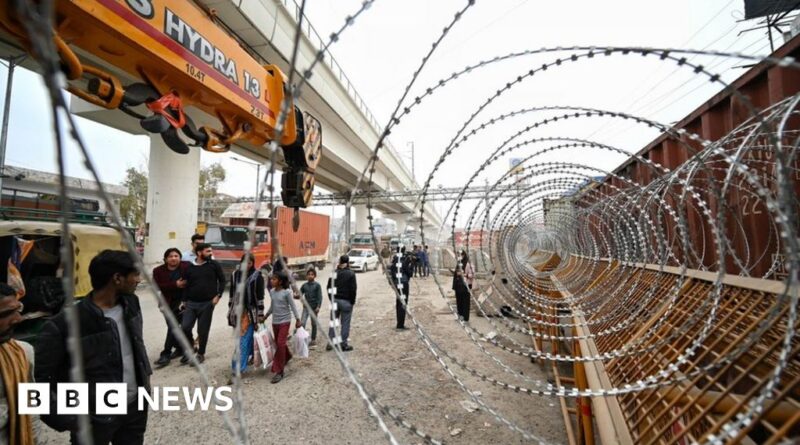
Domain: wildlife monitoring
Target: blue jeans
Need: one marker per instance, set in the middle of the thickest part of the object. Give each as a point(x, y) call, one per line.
point(344, 314)
point(245, 349)
point(305, 317)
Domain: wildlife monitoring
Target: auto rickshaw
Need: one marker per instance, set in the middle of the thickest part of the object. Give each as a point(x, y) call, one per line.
point(30, 262)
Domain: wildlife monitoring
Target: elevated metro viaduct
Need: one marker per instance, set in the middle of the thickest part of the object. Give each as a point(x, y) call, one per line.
point(349, 131)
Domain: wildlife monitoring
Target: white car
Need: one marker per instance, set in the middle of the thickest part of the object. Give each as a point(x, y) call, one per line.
point(363, 259)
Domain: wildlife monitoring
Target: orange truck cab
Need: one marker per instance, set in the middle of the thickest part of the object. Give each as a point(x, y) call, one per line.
point(304, 248)
point(228, 245)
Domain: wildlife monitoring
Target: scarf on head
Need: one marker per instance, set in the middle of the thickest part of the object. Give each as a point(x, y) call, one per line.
point(14, 369)
point(249, 306)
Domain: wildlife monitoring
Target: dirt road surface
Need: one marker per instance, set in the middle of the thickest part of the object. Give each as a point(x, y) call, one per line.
point(316, 404)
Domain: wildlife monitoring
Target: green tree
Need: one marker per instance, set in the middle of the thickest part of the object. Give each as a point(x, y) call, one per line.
point(132, 207)
point(211, 203)
point(210, 179)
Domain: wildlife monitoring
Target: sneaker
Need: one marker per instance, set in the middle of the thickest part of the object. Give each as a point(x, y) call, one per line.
point(347, 348)
point(277, 378)
point(312, 343)
point(162, 361)
point(401, 328)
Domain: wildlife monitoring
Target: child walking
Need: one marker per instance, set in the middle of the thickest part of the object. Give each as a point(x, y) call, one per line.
point(313, 293)
point(281, 308)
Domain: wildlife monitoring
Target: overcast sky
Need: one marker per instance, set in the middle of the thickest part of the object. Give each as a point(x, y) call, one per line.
point(384, 47)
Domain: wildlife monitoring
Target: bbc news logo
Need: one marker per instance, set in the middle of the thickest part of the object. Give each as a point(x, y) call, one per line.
point(112, 398)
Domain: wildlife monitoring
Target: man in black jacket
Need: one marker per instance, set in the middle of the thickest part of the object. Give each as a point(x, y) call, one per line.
point(345, 298)
point(112, 350)
point(205, 282)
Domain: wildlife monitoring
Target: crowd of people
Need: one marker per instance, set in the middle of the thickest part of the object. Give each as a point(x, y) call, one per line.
point(192, 284)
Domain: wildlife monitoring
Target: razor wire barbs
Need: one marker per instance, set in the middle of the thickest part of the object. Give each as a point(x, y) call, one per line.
point(38, 21)
point(54, 82)
point(294, 92)
point(33, 19)
point(696, 211)
point(672, 218)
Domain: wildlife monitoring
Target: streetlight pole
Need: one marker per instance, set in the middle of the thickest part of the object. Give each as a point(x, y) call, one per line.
point(413, 164)
point(258, 178)
point(12, 63)
point(258, 171)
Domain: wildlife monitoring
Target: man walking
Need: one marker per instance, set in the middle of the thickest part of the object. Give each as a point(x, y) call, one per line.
point(16, 366)
point(113, 350)
point(190, 254)
point(417, 261)
point(343, 297)
point(205, 282)
point(426, 265)
point(401, 271)
point(170, 280)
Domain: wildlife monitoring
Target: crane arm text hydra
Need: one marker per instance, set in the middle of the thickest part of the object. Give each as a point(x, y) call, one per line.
point(181, 58)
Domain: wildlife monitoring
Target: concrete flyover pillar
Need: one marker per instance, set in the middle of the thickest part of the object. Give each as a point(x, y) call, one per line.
point(401, 221)
point(172, 190)
point(362, 224)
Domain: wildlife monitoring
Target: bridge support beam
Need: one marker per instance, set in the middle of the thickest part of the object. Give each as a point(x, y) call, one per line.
point(362, 224)
point(400, 221)
point(172, 186)
point(348, 231)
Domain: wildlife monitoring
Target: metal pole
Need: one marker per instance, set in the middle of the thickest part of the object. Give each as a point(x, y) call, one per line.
point(347, 224)
point(258, 178)
point(6, 109)
point(413, 170)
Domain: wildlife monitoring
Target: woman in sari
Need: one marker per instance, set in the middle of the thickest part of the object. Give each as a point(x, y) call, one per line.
point(252, 301)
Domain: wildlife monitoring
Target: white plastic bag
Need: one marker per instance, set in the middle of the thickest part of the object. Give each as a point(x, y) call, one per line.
point(264, 347)
point(300, 342)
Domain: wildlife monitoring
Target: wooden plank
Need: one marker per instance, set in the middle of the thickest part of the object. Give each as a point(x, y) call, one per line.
point(757, 284)
point(611, 424)
point(564, 410)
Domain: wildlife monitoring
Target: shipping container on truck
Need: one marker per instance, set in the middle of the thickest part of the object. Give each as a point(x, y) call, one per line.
point(306, 247)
